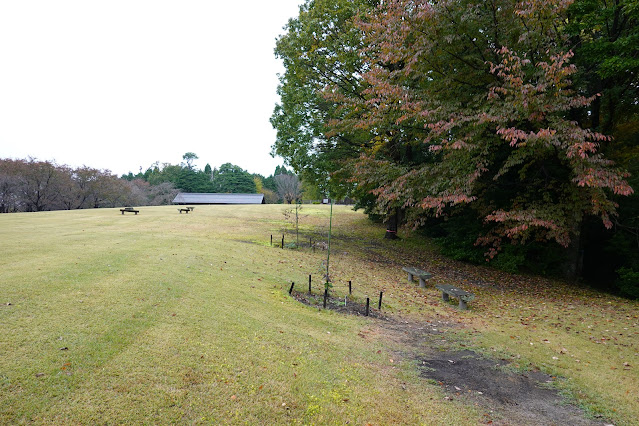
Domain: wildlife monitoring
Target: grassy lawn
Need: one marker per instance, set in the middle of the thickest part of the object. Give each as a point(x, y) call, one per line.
point(161, 318)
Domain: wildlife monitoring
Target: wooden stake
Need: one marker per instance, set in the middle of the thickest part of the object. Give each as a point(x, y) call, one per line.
point(368, 302)
point(325, 297)
point(328, 254)
point(282, 241)
point(290, 291)
point(271, 240)
point(380, 300)
point(350, 289)
point(309, 284)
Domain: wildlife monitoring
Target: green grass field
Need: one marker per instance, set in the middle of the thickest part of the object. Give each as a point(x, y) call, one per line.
point(168, 318)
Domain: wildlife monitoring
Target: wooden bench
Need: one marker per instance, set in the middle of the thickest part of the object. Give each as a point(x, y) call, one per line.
point(186, 209)
point(129, 210)
point(414, 272)
point(463, 296)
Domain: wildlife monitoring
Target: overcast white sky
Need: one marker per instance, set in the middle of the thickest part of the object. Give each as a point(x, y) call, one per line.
point(120, 84)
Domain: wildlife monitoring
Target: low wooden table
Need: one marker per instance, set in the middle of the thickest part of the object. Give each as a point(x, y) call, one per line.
point(415, 272)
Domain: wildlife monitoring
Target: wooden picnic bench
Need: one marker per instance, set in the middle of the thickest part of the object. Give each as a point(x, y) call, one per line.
point(463, 296)
point(129, 210)
point(415, 272)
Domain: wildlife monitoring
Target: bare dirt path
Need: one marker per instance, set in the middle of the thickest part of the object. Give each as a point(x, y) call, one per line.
point(508, 396)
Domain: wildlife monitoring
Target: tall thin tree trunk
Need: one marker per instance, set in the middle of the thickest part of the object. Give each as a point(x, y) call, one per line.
point(391, 225)
point(574, 263)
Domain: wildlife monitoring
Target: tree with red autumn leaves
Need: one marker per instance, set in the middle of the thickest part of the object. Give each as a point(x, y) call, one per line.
point(482, 91)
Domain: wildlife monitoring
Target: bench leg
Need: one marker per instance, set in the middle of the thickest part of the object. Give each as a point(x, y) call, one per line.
point(422, 282)
point(462, 305)
point(410, 277)
point(445, 297)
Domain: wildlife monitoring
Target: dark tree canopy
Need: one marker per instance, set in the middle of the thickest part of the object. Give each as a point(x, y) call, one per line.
point(506, 114)
point(232, 179)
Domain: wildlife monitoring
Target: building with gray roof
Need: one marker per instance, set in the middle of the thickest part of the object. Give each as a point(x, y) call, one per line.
point(208, 198)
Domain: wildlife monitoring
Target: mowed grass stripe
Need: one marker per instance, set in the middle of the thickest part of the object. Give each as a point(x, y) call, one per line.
point(224, 344)
point(95, 323)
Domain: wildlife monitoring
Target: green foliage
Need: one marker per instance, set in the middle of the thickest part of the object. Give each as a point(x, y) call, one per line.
point(166, 172)
point(499, 133)
point(282, 170)
point(232, 179)
point(456, 237)
point(606, 36)
point(319, 49)
point(311, 191)
point(269, 183)
point(628, 282)
point(189, 158)
point(190, 180)
point(427, 106)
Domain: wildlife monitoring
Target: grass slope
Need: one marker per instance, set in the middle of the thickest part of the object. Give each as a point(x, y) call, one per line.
point(180, 318)
point(161, 318)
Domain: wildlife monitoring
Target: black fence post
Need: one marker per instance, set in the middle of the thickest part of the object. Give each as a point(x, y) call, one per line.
point(350, 288)
point(368, 301)
point(282, 241)
point(309, 284)
point(325, 297)
point(380, 300)
point(290, 291)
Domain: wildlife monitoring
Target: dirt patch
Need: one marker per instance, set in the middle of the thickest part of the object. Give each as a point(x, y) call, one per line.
point(514, 398)
point(508, 396)
point(344, 306)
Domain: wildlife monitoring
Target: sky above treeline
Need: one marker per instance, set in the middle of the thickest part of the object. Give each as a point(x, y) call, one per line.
point(122, 84)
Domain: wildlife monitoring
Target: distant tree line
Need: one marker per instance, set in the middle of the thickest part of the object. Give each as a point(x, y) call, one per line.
point(228, 178)
point(30, 185)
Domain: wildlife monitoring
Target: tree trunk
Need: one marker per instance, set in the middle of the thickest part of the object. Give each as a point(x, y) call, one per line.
point(574, 262)
point(391, 225)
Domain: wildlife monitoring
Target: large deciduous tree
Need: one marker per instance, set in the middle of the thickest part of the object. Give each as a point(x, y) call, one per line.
point(10, 184)
point(289, 187)
point(319, 49)
point(605, 38)
point(41, 185)
point(470, 104)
